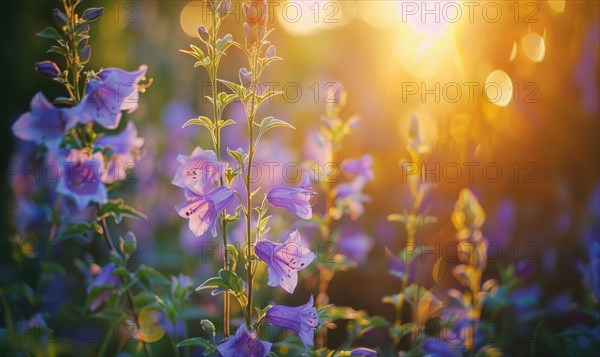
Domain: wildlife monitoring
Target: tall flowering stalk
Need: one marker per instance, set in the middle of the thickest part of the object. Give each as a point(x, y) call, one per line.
point(468, 218)
point(216, 47)
point(424, 305)
point(341, 199)
point(207, 179)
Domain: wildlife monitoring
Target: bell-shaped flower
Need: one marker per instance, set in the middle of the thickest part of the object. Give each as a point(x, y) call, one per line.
point(295, 199)
point(44, 124)
point(107, 95)
point(81, 177)
point(244, 344)
point(202, 210)
point(105, 277)
point(284, 260)
point(199, 171)
point(350, 199)
point(125, 150)
point(359, 167)
point(301, 319)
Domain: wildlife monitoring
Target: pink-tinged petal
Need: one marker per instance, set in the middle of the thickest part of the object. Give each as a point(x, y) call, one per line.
point(114, 90)
point(289, 281)
point(194, 206)
point(199, 224)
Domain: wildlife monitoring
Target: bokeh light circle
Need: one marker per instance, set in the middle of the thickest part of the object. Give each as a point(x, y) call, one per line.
point(534, 47)
point(498, 88)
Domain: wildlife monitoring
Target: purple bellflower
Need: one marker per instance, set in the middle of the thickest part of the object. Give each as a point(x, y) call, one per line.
point(284, 260)
point(199, 171)
point(104, 277)
point(296, 199)
point(44, 124)
point(244, 344)
point(438, 348)
point(203, 210)
point(302, 319)
point(359, 167)
point(350, 198)
point(107, 95)
point(81, 178)
point(125, 148)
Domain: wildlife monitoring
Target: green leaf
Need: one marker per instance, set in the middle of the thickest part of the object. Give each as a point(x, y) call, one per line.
point(122, 272)
point(223, 123)
point(224, 98)
point(79, 229)
point(268, 95)
point(113, 315)
point(263, 311)
point(269, 123)
point(60, 50)
point(263, 223)
point(224, 43)
point(195, 52)
point(227, 280)
point(241, 92)
point(49, 32)
point(152, 275)
point(118, 209)
point(198, 342)
point(202, 121)
point(232, 252)
point(239, 156)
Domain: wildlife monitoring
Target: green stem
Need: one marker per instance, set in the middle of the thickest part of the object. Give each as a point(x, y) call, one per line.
point(217, 144)
point(112, 248)
point(251, 150)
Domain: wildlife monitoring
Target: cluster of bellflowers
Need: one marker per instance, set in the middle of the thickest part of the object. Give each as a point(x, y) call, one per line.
point(206, 181)
point(93, 146)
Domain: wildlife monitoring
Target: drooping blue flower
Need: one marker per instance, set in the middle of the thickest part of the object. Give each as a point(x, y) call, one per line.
point(107, 95)
point(81, 177)
point(435, 347)
point(125, 150)
point(296, 199)
point(244, 344)
point(284, 260)
point(359, 167)
point(44, 124)
point(203, 210)
point(301, 319)
point(104, 277)
point(199, 171)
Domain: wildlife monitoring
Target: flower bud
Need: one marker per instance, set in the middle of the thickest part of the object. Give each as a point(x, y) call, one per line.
point(203, 33)
point(92, 14)
point(224, 8)
point(271, 52)
point(245, 77)
point(60, 19)
point(47, 68)
point(208, 327)
point(84, 54)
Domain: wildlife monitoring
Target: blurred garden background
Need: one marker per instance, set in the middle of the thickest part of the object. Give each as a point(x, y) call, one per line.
point(506, 95)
